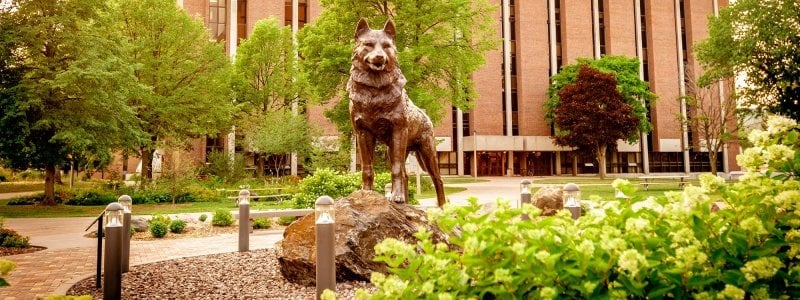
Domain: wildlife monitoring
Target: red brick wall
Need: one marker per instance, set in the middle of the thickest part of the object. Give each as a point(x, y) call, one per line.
point(533, 66)
point(263, 9)
point(662, 50)
point(620, 28)
point(487, 115)
point(576, 30)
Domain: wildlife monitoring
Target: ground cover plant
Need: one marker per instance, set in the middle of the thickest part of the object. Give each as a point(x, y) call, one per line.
point(674, 246)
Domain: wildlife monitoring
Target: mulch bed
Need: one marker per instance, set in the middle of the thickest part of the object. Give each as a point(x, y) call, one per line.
point(8, 251)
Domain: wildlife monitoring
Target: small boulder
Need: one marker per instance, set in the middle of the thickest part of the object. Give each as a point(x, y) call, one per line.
point(363, 219)
point(139, 224)
point(549, 199)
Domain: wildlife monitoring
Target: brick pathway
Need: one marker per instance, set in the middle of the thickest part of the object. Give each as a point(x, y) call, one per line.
point(55, 270)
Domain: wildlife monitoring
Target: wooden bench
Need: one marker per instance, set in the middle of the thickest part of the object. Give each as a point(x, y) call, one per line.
point(278, 195)
point(652, 180)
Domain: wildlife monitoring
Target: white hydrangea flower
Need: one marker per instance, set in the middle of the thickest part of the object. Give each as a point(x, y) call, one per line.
point(542, 255)
point(649, 203)
point(637, 225)
point(752, 159)
point(779, 124)
point(689, 256)
point(548, 293)
point(761, 268)
point(710, 183)
point(753, 225)
point(732, 292)
point(631, 260)
point(779, 153)
point(586, 247)
point(758, 137)
point(502, 275)
point(787, 199)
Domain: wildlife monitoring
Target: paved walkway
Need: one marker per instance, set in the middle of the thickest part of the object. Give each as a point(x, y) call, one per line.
point(70, 257)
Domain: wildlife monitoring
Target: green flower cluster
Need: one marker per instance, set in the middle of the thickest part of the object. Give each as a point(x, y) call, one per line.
point(672, 246)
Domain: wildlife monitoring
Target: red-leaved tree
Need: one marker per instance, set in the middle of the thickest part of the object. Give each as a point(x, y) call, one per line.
point(592, 114)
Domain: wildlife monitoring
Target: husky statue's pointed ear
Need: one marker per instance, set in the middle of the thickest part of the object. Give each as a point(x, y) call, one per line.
point(362, 27)
point(389, 28)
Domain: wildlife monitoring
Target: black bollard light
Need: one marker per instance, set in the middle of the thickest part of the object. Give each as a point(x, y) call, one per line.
point(127, 208)
point(244, 220)
point(112, 267)
point(325, 222)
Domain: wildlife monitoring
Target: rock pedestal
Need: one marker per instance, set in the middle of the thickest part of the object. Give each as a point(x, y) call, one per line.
point(549, 199)
point(363, 219)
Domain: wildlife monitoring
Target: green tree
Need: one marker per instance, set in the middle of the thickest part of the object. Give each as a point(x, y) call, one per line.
point(440, 44)
point(713, 120)
point(276, 134)
point(267, 80)
point(592, 115)
point(63, 85)
point(185, 75)
point(635, 92)
point(760, 40)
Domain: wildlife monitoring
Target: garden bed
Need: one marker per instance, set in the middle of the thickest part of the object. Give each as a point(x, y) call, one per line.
point(236, 275)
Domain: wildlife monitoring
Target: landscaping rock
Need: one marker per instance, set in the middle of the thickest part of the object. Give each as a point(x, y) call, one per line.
point(363, 219)
point(139, 224)
point(549, 199)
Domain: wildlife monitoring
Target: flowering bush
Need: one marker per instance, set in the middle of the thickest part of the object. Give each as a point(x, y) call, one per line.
point(673, 246)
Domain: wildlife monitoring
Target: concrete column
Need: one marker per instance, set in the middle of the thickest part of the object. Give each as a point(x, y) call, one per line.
point(682, 88)
point(637, 12)
point(551, 9)
point(295, 108)
point(507, 76)
point(460, 141)
point(233, 37)
point(725, 166)
point(596, 28)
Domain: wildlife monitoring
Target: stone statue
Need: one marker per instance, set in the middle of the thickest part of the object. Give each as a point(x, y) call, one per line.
point(380, 110)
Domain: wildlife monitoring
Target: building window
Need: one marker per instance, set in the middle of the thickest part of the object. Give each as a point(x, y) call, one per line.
point(241, 23)
point(217, 14)
point(302, 13)
point(602, 24)
point(559, 60)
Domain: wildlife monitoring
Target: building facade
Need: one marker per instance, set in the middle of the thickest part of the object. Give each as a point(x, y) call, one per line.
point(511, 136)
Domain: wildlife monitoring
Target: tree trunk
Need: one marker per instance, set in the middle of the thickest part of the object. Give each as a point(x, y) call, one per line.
point(712, 159)
point(260, 164)
point(574, 163)
point(49, 185)
point(600, 154)
point(147, 165)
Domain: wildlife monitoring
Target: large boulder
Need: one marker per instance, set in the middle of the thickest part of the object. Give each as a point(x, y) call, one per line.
point(363, 219)
point(549, 199)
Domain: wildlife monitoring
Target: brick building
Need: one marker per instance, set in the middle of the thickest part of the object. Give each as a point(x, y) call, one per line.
point(511, 136)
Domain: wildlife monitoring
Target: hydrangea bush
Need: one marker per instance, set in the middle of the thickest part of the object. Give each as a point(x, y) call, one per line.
point(667, 247)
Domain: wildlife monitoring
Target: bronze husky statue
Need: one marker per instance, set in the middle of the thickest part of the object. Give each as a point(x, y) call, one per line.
point(381, 110)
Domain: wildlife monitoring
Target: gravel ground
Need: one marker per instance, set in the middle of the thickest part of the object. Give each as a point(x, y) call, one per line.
point(248, 275)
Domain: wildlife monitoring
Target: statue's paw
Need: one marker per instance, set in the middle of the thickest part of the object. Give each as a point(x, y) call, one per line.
point(399, 199)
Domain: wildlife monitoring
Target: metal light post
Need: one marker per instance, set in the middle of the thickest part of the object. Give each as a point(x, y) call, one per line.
point(387, 190)
point(244, 220)
point(572, 195)
point(325, 221)
point(524, 192)
point(112, 278)
point(127, 208)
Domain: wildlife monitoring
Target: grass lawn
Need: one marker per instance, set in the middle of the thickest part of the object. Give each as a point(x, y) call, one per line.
point(447, 191)
point(19, 187)
point(60, 211)
point(457, 180)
